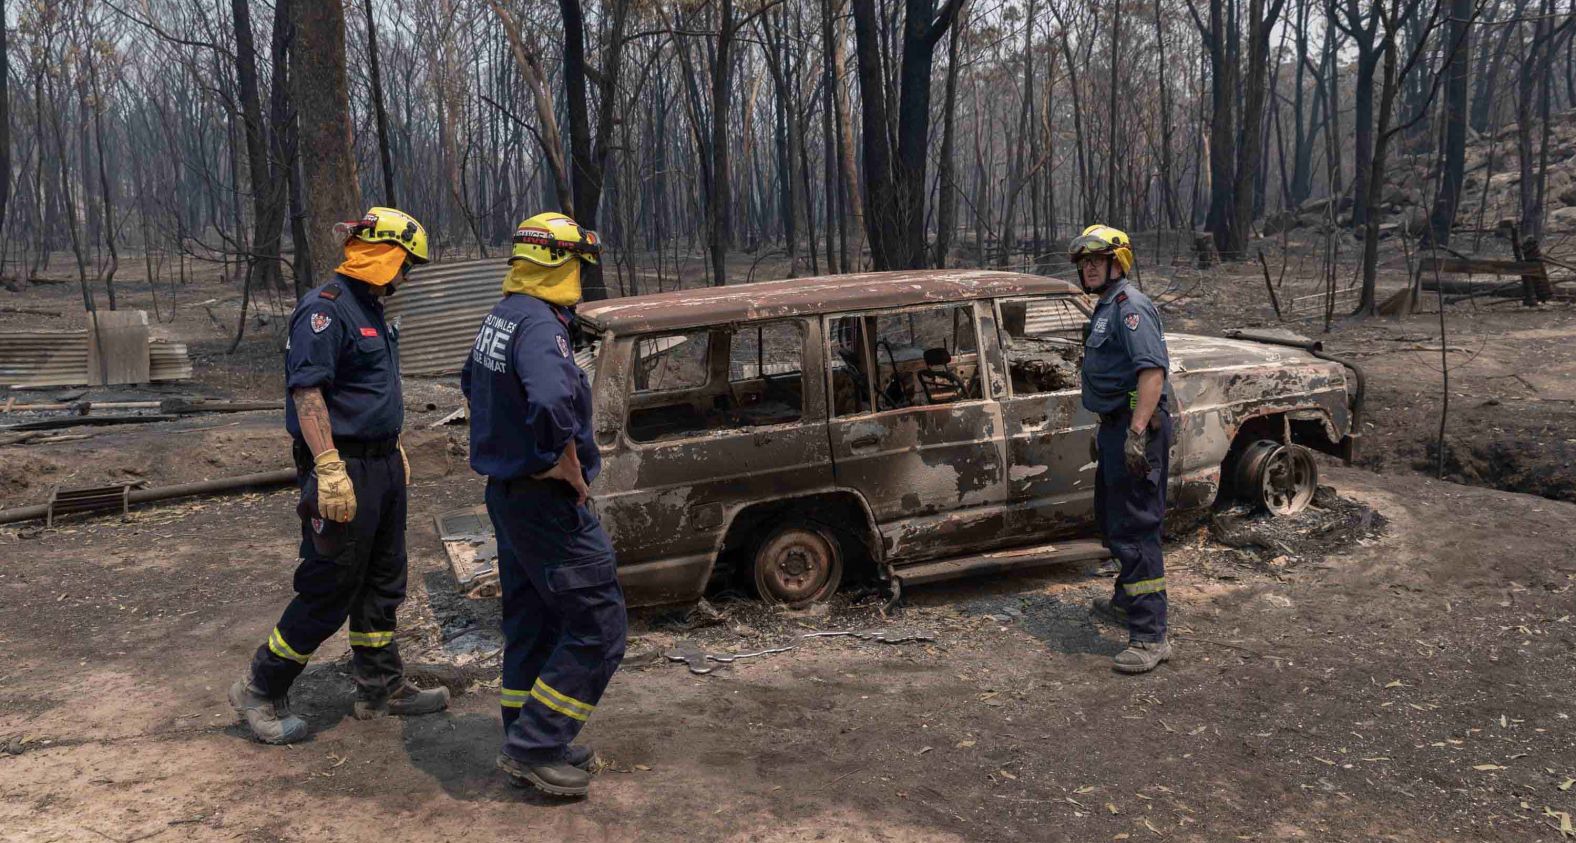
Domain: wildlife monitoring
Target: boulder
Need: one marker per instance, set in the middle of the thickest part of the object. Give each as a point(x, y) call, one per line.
point(1563, 218)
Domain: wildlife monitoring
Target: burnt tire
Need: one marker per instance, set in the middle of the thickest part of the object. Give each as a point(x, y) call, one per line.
point(797, 564)
point(1274, 477)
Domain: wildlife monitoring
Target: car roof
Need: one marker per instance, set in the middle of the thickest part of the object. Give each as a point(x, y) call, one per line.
point(807, 296)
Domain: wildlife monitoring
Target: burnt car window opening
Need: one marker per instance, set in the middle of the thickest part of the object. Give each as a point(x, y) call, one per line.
point(920, 357)
point(1042, 339)
point(849, 359)
point(720, 378)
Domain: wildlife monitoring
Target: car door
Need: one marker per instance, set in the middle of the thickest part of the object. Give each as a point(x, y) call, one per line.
point(711, 419)
point(929, 461)
point(1050, 473)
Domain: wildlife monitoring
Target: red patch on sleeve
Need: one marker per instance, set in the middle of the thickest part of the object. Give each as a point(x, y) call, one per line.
point(369, 332)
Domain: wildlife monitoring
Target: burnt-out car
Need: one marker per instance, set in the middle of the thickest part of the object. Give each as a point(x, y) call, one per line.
point(908, 426)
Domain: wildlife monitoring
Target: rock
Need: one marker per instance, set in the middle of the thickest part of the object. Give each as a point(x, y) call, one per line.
point(1567, 197)
point(1276, 223)
point(1315, 206)
point(1563, 218)
point(1414, 220)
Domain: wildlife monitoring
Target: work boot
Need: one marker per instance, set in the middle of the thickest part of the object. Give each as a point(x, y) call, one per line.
point(1142, 656)
point(269, 719)
point(583, 757)
point(406, 700)
point(559, 778)
point(1106, 609)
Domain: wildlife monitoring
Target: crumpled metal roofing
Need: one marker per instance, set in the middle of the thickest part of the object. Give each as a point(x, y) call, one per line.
point(60, 358)
point(440, 307)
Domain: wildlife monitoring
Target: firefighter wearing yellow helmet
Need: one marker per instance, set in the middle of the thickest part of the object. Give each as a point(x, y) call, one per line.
point(345, 414)
point(1124, 374)
point(545, 262)
point(564, 619)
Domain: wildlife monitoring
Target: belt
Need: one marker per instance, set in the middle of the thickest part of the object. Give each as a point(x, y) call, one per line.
point(355, 448)
point(1121, 415)
point(520, 484)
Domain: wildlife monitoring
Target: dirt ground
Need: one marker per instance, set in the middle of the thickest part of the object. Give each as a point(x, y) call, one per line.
point(1393, 665)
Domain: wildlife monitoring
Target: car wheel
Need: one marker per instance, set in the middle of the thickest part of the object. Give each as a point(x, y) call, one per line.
point(1278, 478)
point(798, 565)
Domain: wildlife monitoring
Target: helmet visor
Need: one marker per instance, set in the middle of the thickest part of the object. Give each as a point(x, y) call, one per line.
point(1089, 245)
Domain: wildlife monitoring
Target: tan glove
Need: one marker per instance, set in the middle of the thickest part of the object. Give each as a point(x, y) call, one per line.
point(406, 461)
point(336, 497)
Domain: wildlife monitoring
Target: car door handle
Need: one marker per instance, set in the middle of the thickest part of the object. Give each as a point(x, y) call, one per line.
point(865, 442)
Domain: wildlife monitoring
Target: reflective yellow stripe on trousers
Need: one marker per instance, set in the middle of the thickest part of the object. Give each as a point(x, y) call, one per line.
point(371, 639)
point(1134, 589)
point(277, 645)
point(511, 698)
point(559, 702)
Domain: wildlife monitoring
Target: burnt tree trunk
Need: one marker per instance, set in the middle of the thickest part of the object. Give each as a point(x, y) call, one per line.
point(5, 124)
point(946, 177)
point(390, 198)
point(321, 98)
point(1250, 146)
point(895, 172)
point(1452, 156)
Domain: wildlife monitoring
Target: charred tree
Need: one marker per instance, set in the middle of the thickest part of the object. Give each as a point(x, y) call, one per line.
point(896, 149)
point(379, 113)
point(1452, 156)
point(321, 97)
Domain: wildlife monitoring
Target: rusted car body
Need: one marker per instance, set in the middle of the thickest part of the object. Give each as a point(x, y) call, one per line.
point(909, 426)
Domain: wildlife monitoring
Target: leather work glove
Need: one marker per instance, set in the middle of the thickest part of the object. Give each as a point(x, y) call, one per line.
point(1134, 452)
point(336, 497)
point(404, 460)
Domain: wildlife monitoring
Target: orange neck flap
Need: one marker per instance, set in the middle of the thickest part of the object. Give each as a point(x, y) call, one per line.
point(374, 263)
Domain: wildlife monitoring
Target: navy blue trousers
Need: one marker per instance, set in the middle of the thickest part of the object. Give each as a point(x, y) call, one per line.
point(564, 618)
point(353, 571)
point(1129, 511)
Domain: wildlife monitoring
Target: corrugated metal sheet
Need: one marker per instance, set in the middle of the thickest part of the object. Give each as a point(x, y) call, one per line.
point(169, 361)
point(43, 358)
point(440, 306)
point(1048, 316)
point(60, 358)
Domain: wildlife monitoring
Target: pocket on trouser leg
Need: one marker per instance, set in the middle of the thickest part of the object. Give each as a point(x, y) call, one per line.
point(576, 575)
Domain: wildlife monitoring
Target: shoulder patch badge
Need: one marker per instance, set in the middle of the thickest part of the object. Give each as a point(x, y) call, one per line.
point(320, 322)
point(1131, 321)
point(563, 345)
point(1121, 298)
point(330, 291)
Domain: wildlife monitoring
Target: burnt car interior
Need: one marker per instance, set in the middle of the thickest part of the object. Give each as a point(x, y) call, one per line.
point(918, 357)
point(719, 378)
point(1042, 339)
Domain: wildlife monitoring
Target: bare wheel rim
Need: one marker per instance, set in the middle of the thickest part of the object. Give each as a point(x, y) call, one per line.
point(1287, 479)
point(797, 566)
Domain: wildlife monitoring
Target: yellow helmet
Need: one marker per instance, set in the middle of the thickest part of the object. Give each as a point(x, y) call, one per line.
point(1103, 240)
point(389, 225)
point(550, 239)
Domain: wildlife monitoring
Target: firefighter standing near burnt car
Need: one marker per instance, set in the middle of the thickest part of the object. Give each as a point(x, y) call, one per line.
point(345, 414)
point(564, 617)
point(1124, 373)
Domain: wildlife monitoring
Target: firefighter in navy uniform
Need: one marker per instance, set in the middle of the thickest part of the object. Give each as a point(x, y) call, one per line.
point(1124, 373)
point(345, 414)
point(564, 618)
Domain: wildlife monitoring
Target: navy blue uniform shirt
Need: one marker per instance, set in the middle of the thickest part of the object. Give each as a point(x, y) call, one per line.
point(1125, 336)
point(340, 344)
point(528, 398)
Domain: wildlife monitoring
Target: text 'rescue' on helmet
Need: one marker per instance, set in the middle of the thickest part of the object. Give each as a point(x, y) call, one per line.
point(1102, 240)
point(551, 239)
